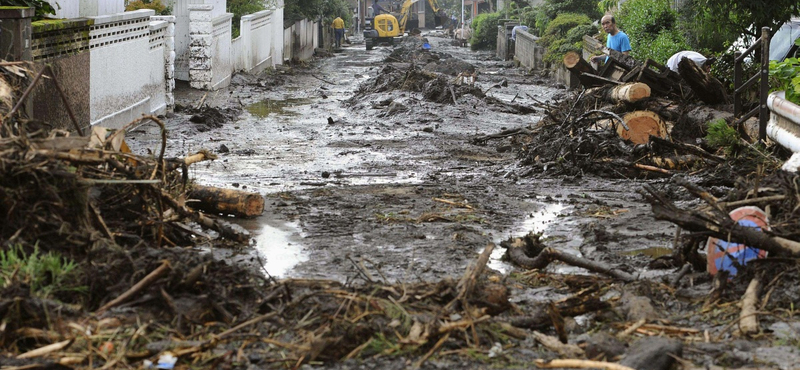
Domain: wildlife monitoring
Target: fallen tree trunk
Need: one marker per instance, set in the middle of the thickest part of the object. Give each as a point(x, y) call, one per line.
point(641, 125)
point(227, 201)
point(707, 88)
point(575, 63)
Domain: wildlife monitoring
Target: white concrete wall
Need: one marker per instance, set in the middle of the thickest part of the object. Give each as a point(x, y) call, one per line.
point(181, 12)
point(86, 8)
point(527, 51)
point(127, 67)
point(300, 40)
point(222, 61)
point(252, 51)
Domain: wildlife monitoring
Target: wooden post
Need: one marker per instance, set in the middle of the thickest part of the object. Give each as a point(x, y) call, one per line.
point(763, 113)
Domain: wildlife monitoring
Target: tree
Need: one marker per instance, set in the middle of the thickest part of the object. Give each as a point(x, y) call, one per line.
point(313, 9)
point(749, 16)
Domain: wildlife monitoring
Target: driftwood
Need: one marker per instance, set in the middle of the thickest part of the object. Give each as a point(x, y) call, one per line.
point(144, 283)
point(715, 222)
point(226, 201)
point(706, 87)
point(553, 344)
point(748, 321)
point(592, 80)
point(517, 253)
point(579, 364)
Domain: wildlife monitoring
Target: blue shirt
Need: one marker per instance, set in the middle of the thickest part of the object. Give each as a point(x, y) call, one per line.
point(619, 42)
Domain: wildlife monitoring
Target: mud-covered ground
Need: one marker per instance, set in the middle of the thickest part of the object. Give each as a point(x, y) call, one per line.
point(390, 187)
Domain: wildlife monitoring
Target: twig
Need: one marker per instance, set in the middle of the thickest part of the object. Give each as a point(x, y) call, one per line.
point(651, 168)
point(41, 351)
point(632, 329)
point(450, 202)
point(607, 113)
point(433, 350)
point(581, 364)
point(144, 283)
point(684, 270)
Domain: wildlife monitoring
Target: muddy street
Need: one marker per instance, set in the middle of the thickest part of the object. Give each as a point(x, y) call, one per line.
point(393, 181)
point(374, 174)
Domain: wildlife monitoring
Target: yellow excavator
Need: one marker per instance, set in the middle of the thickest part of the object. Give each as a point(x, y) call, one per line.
point(383, 28)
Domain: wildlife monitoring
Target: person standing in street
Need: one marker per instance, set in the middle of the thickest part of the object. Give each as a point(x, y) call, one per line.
point(338, 30)
point(617, 40)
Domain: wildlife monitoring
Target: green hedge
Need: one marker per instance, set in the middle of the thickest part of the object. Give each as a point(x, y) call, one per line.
point(484, 31)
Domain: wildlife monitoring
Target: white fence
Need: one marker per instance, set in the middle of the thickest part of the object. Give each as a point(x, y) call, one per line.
point(128, 76)
point(112, 68)
point(300, 40)
point(259, 44)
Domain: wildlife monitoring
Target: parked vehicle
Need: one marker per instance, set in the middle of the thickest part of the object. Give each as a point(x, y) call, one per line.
point(782, 45)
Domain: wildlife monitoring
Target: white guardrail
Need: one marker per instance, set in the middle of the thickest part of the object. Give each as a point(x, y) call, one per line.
point(784, 127)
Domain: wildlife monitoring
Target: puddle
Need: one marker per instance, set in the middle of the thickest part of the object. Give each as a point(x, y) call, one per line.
point(279, 248)
point(536, 222)
point(264, 108)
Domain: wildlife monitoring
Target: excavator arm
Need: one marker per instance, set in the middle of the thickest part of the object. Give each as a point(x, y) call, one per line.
point(405, 13)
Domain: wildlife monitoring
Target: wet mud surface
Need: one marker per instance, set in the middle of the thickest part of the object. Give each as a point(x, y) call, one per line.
point(388, 186)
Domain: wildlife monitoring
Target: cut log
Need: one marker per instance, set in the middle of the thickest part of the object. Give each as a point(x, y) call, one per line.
point(630, 93)
point(227, 201)
point(641, 125)
point(707, 88)
point(575, 63)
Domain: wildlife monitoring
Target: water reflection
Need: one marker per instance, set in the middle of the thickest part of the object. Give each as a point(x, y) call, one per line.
point(279, 248)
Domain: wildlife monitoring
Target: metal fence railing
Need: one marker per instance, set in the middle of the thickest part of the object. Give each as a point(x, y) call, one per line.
point(762, 77)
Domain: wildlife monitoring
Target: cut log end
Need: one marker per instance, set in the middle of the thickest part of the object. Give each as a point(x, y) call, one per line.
point(571, 59)
point(642, 124)
point(227, 201)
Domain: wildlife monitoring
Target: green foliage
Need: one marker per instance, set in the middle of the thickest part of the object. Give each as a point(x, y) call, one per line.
point(42, 7)
point(156, 5)
point(328, 10)
point(555, 8)
point(606, 6)
point(652, 28)
point(241, 8)
point(749, 16)
point(722, 136)
point(484, 34)
point(564, 34)
point(46, 275)
point(785, 76)
point(704, 30)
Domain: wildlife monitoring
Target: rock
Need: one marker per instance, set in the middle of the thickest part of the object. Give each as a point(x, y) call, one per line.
point(636, 308)
point(653, 353)
point(603, 345)
point(223, 149)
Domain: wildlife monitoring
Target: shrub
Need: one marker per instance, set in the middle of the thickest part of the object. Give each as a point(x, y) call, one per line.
point(156, 5)
point(484, 31)
point(722, 136)
point(704, 30)
point(555, 8)
point(652, 28)
point(556, 40)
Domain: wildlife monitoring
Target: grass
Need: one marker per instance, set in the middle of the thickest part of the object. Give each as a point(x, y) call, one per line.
point(45, 274)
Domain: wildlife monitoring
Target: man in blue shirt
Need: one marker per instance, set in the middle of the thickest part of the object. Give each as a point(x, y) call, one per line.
point(617, 40)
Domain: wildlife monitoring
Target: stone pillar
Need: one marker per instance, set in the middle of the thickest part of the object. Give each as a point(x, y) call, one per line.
point(15, 33)
point(201, 28)
point(169, 58)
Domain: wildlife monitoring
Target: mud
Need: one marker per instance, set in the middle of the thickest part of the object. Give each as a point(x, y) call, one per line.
point(371, 174)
